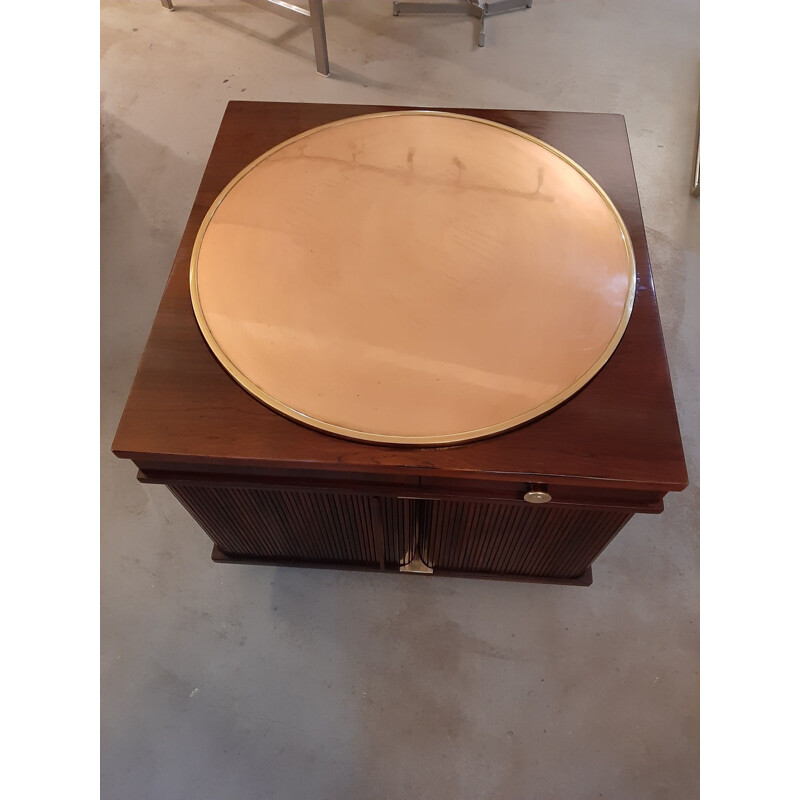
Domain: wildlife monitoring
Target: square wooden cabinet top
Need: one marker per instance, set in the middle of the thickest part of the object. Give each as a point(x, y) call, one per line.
point(620, 431)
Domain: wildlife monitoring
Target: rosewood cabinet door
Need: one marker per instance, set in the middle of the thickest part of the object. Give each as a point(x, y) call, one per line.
point(307, 527)
point(514, 538)
point(280, 525)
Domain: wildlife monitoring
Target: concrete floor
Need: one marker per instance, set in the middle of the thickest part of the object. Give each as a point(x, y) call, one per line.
point(246, 682)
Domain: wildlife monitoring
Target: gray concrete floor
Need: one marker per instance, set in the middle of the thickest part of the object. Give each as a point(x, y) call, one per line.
point(247, 682)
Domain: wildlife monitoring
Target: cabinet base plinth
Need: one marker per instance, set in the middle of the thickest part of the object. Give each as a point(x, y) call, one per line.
point(221, 557)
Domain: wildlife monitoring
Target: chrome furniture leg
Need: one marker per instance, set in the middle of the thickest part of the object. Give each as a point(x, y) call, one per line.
point(314, 13)
point(475, 8)
point(696, 169)
point(320, 40)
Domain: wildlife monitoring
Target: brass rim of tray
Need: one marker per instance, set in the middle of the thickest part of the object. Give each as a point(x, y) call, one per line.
point(376, 438)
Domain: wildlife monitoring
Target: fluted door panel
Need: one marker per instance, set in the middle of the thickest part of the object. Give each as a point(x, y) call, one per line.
point(514, 538)
point(291, 525)
point(398, 518)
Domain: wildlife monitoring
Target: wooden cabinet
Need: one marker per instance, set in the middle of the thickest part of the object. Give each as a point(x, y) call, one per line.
point(468, 530)
point(291, 523)
point(268, 490)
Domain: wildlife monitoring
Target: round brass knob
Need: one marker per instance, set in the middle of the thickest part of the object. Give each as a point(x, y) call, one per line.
point(537, 496)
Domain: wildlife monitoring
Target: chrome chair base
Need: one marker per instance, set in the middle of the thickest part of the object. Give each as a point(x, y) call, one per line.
point(475, 8)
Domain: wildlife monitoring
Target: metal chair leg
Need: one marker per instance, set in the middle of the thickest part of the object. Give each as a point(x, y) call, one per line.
point(317, 19)
point(320, 40)
point(696, 169)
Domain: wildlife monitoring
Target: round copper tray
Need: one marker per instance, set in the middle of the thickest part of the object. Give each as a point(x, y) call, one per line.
point(413, 277)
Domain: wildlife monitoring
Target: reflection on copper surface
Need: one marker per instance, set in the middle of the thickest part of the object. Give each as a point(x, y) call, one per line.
point(413, 277)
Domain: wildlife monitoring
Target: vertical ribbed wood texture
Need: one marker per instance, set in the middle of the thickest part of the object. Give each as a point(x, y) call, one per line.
point(453, 535)
point(291, 525)
point(399, 529)
point(514, 539)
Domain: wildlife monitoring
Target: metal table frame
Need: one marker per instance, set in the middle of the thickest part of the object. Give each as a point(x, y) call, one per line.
point(317, 19)
point(476, 8)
